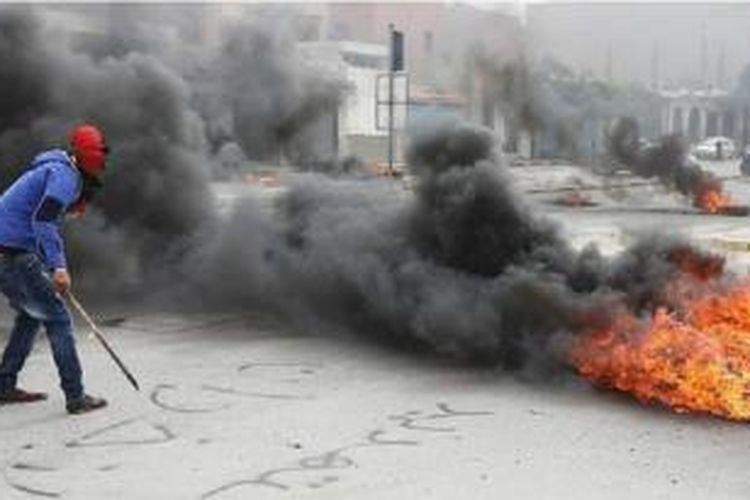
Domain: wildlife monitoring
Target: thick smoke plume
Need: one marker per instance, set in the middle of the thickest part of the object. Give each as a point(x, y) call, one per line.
point(156, 198)
point(460, 267)
point(156, 189)
point(268, 101)
point(666, 160)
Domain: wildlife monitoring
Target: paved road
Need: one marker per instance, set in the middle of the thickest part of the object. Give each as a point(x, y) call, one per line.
point(241, 407)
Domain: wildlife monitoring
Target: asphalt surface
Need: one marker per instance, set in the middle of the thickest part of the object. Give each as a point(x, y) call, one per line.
point(246, 407)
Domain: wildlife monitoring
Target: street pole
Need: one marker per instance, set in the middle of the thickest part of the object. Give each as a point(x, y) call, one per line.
point(390, 99)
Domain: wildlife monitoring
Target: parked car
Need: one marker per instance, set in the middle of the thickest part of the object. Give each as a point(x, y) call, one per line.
point(715, 148)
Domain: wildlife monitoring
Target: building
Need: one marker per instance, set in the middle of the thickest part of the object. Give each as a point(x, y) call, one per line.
point(355, 130)
point(441, 40)
point(349, 40)
point(698, 114)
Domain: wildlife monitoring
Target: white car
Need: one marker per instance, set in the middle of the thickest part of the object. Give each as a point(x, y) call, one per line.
point(715, 148)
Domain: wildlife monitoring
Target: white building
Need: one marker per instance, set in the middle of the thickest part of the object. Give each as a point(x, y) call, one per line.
point(697, 114)
point(359, 66)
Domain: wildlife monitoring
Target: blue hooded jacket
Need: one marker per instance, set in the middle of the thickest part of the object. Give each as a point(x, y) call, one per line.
point(33, 207)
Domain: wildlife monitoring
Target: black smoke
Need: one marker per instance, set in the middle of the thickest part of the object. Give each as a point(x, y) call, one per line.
point(460, 267)
point(156, 197)
point(24, 92)
point(666, 160)
point(261, 93)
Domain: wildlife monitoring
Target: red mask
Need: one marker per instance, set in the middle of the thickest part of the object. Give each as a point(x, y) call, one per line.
point(88, 146)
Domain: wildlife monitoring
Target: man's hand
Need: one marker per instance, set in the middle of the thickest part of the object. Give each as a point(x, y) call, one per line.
point(61, 280)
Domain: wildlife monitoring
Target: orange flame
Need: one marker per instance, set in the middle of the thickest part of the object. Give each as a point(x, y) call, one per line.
point(713, 201)
point(697, 360)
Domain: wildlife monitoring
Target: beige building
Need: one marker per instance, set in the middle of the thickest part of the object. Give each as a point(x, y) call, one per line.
point(440, 42)
point(438, 36)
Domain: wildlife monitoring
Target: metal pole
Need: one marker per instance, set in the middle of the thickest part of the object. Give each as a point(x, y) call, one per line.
point(390, 99)
point(102, 340)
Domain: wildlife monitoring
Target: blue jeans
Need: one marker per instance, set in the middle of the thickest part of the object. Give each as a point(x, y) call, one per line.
point(26, 284)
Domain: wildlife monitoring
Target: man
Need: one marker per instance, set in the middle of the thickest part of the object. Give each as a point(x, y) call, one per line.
point(33, 270)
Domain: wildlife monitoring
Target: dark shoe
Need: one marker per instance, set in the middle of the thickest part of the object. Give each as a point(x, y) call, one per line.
point(85, 404)
point(21, 396)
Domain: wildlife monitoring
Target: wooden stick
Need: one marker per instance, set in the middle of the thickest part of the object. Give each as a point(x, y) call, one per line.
point(102, 339)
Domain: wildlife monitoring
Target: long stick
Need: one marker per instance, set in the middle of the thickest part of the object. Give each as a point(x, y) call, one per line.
point(102, 339)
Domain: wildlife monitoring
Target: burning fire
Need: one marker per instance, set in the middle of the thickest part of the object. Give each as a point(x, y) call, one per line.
point(710, 197)
point(695, 358)
point(713, 201)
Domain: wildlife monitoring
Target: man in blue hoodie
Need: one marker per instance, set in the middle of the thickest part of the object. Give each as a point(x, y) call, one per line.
point(33, 269)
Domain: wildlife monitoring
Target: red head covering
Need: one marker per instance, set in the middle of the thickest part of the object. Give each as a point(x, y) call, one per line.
point(88, 146)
